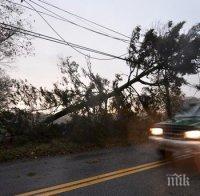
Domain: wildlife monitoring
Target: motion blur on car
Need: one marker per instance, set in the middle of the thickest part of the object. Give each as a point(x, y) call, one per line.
point(179, 135)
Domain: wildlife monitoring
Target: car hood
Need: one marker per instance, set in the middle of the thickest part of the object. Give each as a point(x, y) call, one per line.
point(193, 122)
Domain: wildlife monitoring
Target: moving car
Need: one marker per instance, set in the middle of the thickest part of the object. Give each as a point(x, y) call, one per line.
point(180, 134)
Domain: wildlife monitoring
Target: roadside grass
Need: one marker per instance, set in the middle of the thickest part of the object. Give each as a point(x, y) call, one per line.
point(35, 150)
point(62, 146)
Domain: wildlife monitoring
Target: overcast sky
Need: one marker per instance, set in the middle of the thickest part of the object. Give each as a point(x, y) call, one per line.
point(41, 69)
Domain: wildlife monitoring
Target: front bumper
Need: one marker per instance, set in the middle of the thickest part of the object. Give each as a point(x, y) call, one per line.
point(176, 145)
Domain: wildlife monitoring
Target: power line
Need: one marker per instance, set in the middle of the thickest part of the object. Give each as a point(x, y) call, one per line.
point(86, 28)
point(52, 39)
point(56, 31)
point(44, 13)
point(59, 17)
point(84, 19)
point(63, 38)
point(66, 42)
point(48, 38)
point(47, 14)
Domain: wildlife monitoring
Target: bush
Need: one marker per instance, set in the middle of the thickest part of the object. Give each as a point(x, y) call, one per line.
point(44, 133)
point(97, 130)
point(23, 127)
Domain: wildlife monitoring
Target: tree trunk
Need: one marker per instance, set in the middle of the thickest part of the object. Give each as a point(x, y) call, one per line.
point(168, 100)
point(98, 98)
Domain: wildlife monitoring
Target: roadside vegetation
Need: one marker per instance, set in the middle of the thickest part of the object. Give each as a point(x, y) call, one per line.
point(84, 110)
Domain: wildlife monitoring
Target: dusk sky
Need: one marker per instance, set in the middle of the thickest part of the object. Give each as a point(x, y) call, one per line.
point(41, 68)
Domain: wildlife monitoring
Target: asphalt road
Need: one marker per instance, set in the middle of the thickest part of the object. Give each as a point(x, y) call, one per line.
point(135, 170)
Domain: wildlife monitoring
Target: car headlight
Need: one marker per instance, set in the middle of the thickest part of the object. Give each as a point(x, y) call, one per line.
point(156, 131)
point(194, 134)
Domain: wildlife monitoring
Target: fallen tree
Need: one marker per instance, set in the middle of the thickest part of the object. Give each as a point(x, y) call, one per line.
point(95, 100)
point(163, 59)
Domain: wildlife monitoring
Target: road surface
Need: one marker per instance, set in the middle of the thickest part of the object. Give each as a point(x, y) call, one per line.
point(135, 170)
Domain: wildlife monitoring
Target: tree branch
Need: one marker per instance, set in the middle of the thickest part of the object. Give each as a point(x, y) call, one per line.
point(95, 100)
point(148, 83)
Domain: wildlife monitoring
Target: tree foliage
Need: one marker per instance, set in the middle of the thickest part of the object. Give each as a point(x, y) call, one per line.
point(174, 52)
point(12, 43)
